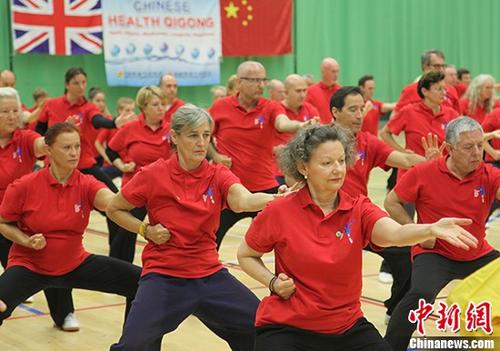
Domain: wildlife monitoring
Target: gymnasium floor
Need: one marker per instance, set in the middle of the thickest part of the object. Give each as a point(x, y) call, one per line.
point(101, 315)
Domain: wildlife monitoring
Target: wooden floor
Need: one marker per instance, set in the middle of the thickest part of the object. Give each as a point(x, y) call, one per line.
point(101, 315)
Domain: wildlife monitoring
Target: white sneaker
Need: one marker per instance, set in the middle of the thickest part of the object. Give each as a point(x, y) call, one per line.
point(385, 278)
point(30, 299)
point(387, 319)
point(70, 323)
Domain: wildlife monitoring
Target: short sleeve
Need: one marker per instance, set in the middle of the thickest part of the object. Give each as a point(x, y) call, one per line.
point(214, 113)
point(103, 135)
point(494, 180)
point(263, 233)
point(274, 110)
point(118, 142)
point(370, 214)
point(136, 191)
point(397, 123)
point(91, 186)
point(407, 186)
point(381, 151)
point(225, 179)
point(29, 138)
point(13, 202)
point(44, 113)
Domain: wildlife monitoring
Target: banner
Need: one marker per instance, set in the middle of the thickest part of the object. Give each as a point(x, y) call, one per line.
point(256, 27)
point(57, 27)
point(145, 39)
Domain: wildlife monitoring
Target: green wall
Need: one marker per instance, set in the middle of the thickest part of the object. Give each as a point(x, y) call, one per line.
point(380, 37)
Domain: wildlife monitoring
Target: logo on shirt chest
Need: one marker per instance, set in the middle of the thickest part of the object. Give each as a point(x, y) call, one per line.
point(166, 137)
point(306, 118)
point(345, 232)
point(209, 195)
point(18, 153)
point(78, 207)
point(444, 125)
point(259, 121)
point(480, 192)
point(362, 156)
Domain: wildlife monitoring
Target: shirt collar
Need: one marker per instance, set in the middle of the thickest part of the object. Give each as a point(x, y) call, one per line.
point(346, 202)
point(323, 86)
point(235, 102)
point(72, 180)
point(443, 167)
point(195, 173)
point(79, 102)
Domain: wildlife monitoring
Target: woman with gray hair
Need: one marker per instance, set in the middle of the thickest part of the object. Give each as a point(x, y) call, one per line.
point(318, 235)
point(479, 99)
point(182, 274)
point(19, 149)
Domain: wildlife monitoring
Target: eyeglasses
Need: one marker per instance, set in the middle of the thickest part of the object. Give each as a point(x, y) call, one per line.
point(264, 81)
point(438, 66)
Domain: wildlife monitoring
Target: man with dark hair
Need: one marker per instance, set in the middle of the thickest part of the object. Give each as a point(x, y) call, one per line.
point(430, 61)
point(347, 109)
point(418, 120)
point(464, 78)
point(374, 109)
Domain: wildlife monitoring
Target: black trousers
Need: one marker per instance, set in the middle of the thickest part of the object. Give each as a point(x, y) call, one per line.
point(100, 273)
point(99, 174)
point(399, 261)
point(363, 336)
point(122, 245)
point(430, 274)
point(229, 218)
point(60, 301)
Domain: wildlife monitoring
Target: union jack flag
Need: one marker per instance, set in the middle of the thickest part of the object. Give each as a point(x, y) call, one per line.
point(57, 27)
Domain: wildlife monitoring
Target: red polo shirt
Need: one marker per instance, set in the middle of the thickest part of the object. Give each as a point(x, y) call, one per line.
point(171, 110)
point(372, 118)
point(437, 193)
point(17, 157)
point(62, 222)
point(409, 95)
point(319, 95)
point(417, 121)
point(188, 204)
point(305, 113)
point(248, 138)
point(372, 153)
point(59, 109)
point(491, 123)
point(322, 254)
point(137, 142)
point(461, 88)
point(479, 113)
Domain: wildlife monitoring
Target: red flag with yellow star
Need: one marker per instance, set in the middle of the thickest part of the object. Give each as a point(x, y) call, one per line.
point(256, 27)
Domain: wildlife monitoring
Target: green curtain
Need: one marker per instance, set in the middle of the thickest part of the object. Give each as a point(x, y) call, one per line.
point(380, 37)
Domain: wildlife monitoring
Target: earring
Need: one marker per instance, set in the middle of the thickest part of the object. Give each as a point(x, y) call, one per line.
point(305, 176)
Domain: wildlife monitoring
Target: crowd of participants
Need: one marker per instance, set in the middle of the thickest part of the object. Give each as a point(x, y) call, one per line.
point(297, 163)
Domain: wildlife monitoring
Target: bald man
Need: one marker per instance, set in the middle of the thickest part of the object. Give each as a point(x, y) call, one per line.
point(296, 109)
point(7, 79)
point(168, 86)
point(276, 90)
point(244, 130)
point(319, 94)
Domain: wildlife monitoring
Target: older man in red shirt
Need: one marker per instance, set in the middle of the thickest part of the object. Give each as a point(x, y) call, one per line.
point(319, 94)
point(245, 127)
point(431, 61)
point(460, 185)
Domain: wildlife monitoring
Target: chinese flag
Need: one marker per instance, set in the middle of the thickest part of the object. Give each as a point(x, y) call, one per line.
point(256, 27)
